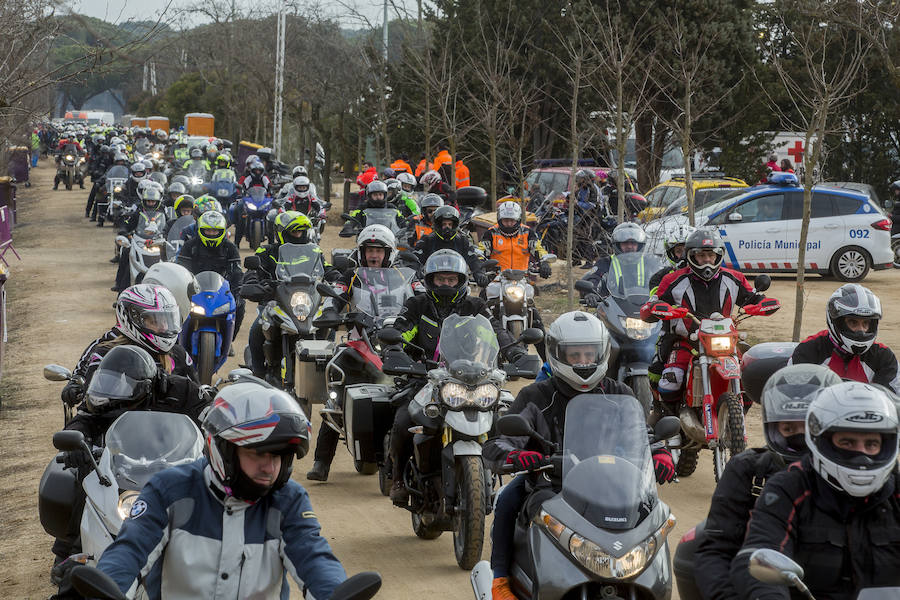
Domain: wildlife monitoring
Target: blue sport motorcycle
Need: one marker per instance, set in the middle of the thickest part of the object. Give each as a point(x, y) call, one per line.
point(207, 332)
point(256, 205)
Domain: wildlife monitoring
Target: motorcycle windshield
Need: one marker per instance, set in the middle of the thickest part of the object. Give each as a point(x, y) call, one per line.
point(158, 178)
point(299, 259)
point(224, 175)
point(258, 195)
point(143, 443)
point(151, 224)
point(382, 216)
point(177, 227)
point(381, 292)
point(117, 172)
point(209, 281)
point(607, 472)
point(629, 276)
point(196, 170)
point(470, 339)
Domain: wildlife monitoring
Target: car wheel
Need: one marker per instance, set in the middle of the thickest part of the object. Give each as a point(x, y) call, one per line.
point(850, 264)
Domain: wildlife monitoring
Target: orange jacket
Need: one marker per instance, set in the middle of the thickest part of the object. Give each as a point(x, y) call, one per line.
point(442, 157)
point(422, 229)
point(423, 166)
point(462, 175)
point(400, 165)
point(510, 252)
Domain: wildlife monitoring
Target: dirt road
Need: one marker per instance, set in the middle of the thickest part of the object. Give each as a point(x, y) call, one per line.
point(60, 301)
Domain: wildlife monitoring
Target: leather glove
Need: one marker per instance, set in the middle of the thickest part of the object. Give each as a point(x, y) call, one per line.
point(73, 393)
point(545, 270)
point(482, 279)
point(592, 300)
point(664, 465)
point(78, 460)
point(525, 460)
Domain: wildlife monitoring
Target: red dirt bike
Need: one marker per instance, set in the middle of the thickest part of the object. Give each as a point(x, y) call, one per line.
point(712, 410)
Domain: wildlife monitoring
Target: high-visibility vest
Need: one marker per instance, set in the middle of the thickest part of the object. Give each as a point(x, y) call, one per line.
point(510, 252)
point(442, 158)
point(423, 166)
point(422, 229)
point(401, 165)
point(462, 175)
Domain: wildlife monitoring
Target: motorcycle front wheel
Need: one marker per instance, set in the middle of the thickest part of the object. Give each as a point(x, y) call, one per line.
point(256, 234)
point(640, 385)
point(468, 519)
point(207, 356)
point(731, 432)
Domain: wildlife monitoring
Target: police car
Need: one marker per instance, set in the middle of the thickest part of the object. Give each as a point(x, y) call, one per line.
point(848, 231)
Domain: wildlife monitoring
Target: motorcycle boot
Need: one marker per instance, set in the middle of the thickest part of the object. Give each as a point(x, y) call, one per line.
point(319, 471)
point(399, 493)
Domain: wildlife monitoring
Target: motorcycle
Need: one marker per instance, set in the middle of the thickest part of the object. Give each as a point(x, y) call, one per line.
point(145, 244)
point(256, 206)
point(449, 485)
point(714, 403)
point(358, 403)
point(222, 186)
point(207, 332)
point(197, 176)
point(511, 298)
point(376, 216)
point(137, 445)
point(603, 534)
point(113, 203)
point(67, 170)
point(633, 341)
point(289, 317)
point(174, 242)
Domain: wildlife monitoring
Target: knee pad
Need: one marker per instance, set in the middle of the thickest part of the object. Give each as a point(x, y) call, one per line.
point(671, 380)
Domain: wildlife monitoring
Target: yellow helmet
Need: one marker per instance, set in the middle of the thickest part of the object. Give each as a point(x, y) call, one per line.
point(295, 225)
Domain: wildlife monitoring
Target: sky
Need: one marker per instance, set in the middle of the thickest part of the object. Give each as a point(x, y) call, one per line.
point(124, 10)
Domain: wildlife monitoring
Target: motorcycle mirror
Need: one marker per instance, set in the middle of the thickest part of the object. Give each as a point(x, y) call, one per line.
point(341, 262)
point(251, 262)
point(57, 373)
point(549, 259)
point(666, 427)
point(771, 566)
point(490, 264)
point(235, 374)
point(408, 256)
point(123, 241)
point(583, 286)
point(361, 586)
point(91, 582)
point(532, 335)
point(326, 290)
point(762, 282)
point(390, 337)
point(68, 440)
point(514, 425)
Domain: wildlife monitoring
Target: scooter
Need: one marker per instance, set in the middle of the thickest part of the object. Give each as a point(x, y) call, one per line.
point(625, 288)
point(604, 532)
point(207, 332)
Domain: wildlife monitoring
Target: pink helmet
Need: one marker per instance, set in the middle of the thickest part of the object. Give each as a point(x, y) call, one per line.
point(148, 315)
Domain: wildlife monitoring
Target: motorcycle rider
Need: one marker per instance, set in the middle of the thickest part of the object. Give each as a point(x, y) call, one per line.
point(291, 227)
point(250, 525)
point(256, 177)
point(303, 201)
point(514, 246)
point(433, 183)
point(183, 207)
point(376, 248)
point(836, 512)
point(126, 378)
point(419, 323)
point(175, 191)
point(423, 224)
point(785, 398)
point(204, 203)
point(196, 158)
point(211, 250)
point(66, 144)
point(151, 202)
point(101, 161)
point(578, 348)
point(703, 287)
point(376, 197)
point(404, 199)
point(146, 316)
point(446, 236)
point(847, 346)
point(626, 237)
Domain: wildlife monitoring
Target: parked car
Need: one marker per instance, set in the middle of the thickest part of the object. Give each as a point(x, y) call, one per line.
point(669, 197)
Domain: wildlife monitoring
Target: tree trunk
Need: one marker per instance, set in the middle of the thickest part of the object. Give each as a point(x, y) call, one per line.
point(492, 141)
point(621, 141)
point(810, 158)
point(686, 153)
point(570, 226)
point(643, 134)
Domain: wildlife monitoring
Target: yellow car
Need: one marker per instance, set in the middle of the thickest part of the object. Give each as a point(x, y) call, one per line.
point(668, 197)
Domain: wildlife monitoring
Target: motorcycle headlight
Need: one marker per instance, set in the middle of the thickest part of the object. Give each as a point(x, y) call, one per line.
point(126, 501)
point(514, 293)
point(251, 206)
point(454, 395)
point(301, 305)
point(117, 189)
point(636, 328)
point(221, 310)
point(198, 310)
point(69, 157)
point(81, 160)
point(595, 559)
point(196, 181)
point(157, 155)
point(222, 193)
point(485, 395)
point(720, 344)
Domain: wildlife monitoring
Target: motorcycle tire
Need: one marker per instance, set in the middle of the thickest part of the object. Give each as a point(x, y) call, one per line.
point(423, 531)
point(731, 433)
point(515, 329)
point(640, 385)
point(68, 184)
point(384, 481)
point(687, 462)
point(206, 361)
point(255, 235)
point(468, 519)
point(895, 246)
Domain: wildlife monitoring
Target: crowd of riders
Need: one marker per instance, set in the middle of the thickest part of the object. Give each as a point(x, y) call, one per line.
point(823, 490)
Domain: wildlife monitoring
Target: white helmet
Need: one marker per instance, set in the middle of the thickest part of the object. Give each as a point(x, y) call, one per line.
point(628, 232)
point(301, 186)
point(149, 315)
point(856, 407)
point(677, 235)
point(299, 171)
point(509, 210)
point(406, 179)
point(178, 280)
point(380, 236)
point(853, 300)
point(138, 171)
point(429, 179)
point(580, 329)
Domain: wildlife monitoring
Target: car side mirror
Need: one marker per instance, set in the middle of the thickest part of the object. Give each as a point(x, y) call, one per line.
point(390, 337)
point(251, 262)
point(735, 217)
point(68, 440)
point(762, 282)
point(514, 426)
point(531, 336)
point(57, 373)
point(585, 287)
point(666, 428)
point(771, 566)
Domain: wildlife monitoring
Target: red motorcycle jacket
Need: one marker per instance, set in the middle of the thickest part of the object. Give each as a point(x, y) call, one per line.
point(877, 365)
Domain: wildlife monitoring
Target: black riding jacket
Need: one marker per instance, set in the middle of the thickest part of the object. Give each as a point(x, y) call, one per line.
point(460, 242)
point(224, 259)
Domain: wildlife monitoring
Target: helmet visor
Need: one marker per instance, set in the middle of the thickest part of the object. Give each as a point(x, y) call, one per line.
point(114, 385)
point(583, 354)
point(161, 322)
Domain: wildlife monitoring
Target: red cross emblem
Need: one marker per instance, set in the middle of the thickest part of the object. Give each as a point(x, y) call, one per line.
point(796, 152)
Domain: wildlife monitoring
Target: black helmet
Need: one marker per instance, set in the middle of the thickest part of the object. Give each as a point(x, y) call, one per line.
point(124, 379)
point(446, 213)
point(699, 241)
point(446, 261)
